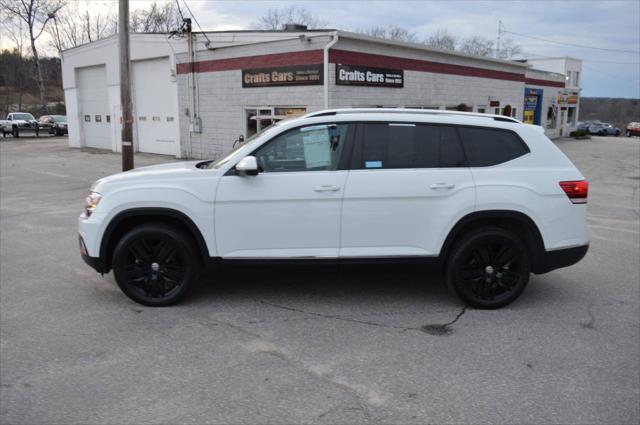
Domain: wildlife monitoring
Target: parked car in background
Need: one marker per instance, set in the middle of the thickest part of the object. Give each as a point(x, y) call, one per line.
point(55, 124)
point(487, 198)
point(584, 125)
point(633, 129)
point(604, 129)
point(18, 123)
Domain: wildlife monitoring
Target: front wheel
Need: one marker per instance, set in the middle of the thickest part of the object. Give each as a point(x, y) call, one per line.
point(155, 264)
point(489, 268)
point(16, 132)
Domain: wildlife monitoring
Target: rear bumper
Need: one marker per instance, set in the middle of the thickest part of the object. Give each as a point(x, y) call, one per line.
point(559, 258)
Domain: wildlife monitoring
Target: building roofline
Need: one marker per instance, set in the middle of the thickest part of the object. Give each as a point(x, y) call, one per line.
point(553, 58)
point(114, 37)
point(423, 47)
point(339, 33)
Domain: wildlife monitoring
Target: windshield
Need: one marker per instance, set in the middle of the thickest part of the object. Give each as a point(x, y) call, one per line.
point(25, 117)
point(59, 118)
point(249, 141)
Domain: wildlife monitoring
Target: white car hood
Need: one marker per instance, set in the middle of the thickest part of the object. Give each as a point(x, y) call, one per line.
point(161, 172)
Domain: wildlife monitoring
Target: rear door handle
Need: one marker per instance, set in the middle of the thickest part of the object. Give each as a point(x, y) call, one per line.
point(327, 188)
point(442, 186)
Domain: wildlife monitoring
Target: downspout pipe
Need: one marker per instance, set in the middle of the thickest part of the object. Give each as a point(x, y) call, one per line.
point(334, 40)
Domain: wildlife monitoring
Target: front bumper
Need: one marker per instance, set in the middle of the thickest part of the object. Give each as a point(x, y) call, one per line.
point(559, 258)
point(96, 263)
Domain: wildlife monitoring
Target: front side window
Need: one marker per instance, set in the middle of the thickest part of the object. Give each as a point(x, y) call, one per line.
point(311, 148)
point(490, 146)
point(403, 145)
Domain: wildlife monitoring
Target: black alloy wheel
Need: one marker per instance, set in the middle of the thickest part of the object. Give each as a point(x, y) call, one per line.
point(489, 268)
point(155, 265)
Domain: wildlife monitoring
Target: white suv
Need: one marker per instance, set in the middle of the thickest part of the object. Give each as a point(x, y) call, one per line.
point(488, 198)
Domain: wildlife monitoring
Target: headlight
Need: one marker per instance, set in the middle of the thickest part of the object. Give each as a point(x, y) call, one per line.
point(91, 202)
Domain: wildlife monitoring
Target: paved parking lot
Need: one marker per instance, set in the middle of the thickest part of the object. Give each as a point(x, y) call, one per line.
point(355, 346)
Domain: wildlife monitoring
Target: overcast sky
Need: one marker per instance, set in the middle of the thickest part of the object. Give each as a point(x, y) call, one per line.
point(602, 24)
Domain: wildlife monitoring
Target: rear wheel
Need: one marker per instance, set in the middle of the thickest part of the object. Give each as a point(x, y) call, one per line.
point(489, 268)
point(155, 264)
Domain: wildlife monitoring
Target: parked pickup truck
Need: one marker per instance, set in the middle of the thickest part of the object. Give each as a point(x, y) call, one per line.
point(18, 123)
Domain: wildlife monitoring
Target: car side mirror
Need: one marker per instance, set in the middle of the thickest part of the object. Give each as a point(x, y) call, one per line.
point(247, 166)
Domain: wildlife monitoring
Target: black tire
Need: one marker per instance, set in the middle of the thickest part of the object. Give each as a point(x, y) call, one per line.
point(628, 133)
point(155, 264)
point(16, 132)
point(489, 268)
point(617, 133)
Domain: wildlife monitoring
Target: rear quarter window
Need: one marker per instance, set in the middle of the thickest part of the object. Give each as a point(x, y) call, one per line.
point(489, 146)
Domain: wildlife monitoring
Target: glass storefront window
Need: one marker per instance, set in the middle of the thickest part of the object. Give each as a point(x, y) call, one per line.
point(257, 119)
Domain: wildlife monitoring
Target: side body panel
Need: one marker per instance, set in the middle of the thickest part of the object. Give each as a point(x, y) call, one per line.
point(280, 215)
point(402, 212)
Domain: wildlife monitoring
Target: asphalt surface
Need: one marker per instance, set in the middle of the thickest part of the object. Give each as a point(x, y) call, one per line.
point(274, 346)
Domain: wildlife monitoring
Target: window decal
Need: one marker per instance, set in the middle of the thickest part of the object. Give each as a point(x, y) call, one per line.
point(373, 164)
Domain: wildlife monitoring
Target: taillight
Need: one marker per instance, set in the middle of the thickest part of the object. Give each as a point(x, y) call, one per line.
point(577, 191)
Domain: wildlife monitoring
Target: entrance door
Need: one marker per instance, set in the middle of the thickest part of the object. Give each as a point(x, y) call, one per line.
point(409, 184)
point(292, 207)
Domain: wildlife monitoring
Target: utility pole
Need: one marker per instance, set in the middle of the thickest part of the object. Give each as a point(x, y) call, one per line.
point(499, 39)
point(125, 86)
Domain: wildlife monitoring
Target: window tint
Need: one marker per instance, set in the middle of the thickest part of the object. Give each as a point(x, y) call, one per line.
point(312, 148)
point(486, 146)
point(400, 145)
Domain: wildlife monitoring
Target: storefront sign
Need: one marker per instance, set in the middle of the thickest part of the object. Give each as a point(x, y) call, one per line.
point(300, 75)
point(352, 75)
point(532, 105)
point(567, 99)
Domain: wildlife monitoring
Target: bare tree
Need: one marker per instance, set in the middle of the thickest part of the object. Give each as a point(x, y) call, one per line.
point(391, 32)
point(157, 18)
point(35, 14)
point(476, 45)
point(508, 49)
point(275, 19)
point(441, 39)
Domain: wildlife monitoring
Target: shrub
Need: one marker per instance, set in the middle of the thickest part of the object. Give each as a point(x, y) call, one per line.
point(580, 134)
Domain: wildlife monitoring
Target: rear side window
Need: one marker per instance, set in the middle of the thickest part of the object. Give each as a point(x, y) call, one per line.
point(406, 145)
point(488, 146)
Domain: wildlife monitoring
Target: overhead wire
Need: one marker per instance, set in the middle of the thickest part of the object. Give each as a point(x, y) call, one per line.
point(571, 44)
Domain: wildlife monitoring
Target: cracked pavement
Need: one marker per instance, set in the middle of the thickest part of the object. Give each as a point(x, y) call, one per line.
point(275, 345)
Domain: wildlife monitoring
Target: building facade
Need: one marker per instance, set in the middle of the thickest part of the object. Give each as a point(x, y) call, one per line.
point(199, 103)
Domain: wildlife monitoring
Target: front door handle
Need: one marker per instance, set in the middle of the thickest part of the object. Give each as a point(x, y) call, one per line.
point(442, 186)
point(327, 188)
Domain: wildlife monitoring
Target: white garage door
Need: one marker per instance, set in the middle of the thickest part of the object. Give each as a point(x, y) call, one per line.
point(155, 107)
point(94, 106)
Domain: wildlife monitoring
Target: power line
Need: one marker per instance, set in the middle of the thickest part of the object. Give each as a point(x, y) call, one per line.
point(197, 23)
point(612, 62)
point(572, 44)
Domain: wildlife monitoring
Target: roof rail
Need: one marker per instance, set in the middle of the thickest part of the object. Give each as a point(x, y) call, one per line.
point(329, 112)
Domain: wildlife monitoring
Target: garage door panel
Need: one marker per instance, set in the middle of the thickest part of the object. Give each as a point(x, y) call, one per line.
point(156, 107)
point(94, 106)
